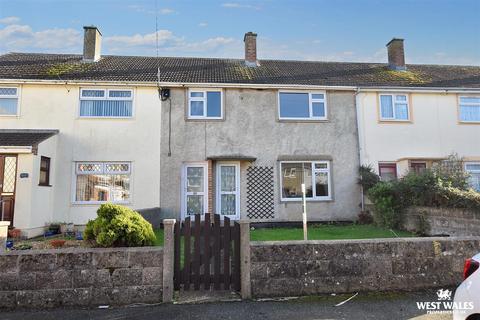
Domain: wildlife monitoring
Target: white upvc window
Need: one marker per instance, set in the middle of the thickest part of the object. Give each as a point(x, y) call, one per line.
point(99, 182)
point(469, 108)
point(106, 103)
point(473, 169)
point(394, 107)
point(8, 101)
point(205, 104)
point(298, 105)
point(314, 174)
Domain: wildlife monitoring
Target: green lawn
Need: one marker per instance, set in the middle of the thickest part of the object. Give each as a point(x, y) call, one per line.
point(317, 232)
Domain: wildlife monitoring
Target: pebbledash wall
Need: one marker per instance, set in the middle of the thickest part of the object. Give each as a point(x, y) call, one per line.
point(81, 277)
point(315, 267)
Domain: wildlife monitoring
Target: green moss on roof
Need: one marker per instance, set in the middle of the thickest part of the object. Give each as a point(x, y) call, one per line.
point(409, 76)
point(60, 69)
point(243, 72)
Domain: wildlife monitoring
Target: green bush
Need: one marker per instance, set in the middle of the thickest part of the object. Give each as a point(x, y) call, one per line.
point(368, 178)
point(388, 208)
point(119, 226)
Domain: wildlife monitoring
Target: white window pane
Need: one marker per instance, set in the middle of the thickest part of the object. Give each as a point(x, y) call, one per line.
point(8, 91)
point(214, 104)
point(293, 175)
point(474, 181)
point(93, 93)
point(469, 113)
point(401, 111)
point(294, 105)
point(194, 204)
point(321, 184)
point(196, 108)
point(119, 188)
point(470, 100)
point(120, 94)
point(105, 108)
point(321, 166)
point(401, 98)
point(472, 166)
point(228, 204)
point(317, 96)
point(8, 106)
point(196, 94)
point(318, 109)
point(195, 177)
point(386, 106)
point(227, 178)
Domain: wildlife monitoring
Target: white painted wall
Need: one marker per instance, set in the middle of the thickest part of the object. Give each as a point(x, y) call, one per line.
point(433, 132)
point(80, 139)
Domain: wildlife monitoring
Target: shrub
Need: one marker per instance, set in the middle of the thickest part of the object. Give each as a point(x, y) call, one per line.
point(365, 217)
point(368, 178)
point(387, 202)
point(119, 226)
point(450, 172)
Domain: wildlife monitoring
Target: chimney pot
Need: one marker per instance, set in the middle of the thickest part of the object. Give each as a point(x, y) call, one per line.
point(396, 54)
point(92, 41)
point(250, 40)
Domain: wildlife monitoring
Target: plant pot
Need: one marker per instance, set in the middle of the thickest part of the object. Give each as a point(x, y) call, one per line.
point(14, 233)
point(57, 243)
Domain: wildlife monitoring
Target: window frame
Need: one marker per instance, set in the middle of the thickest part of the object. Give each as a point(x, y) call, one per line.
point(16, 96)
point(467, 104)
point(205, 103)
point(469, 171)
point(106, 97)
point(47, 170)
point(394, 100)
point(310, 105)
point(314, 170)
point(386, 165)
point(75, 174)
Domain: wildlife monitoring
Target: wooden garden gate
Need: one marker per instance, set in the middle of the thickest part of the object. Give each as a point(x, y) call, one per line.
point(207, 254)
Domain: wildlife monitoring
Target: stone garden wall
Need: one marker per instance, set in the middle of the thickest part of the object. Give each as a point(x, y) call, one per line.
point(80, 277)
point(443, 221)
point(343, 266)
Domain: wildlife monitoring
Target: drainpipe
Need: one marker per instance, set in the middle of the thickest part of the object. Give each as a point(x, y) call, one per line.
point(360, 145)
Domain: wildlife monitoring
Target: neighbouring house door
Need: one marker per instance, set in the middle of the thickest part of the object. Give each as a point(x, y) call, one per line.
point(228, 189)
point(194, 189)
point(8, 173)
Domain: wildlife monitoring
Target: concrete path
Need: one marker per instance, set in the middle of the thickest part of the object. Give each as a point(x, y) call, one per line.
point(364, 306)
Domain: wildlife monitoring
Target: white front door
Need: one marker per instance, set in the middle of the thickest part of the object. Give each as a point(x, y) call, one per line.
point(194, 189)
point(228, 189)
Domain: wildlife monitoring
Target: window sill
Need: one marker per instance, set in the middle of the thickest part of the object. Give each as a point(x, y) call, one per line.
point(469, 122)
point(44, 185)
point(308, 200)
point(395, 121)
point(204, 119)
point(96, 203)
point(304, 120)
point(105, 118)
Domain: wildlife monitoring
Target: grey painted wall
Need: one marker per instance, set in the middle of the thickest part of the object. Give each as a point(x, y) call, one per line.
point(251, 127)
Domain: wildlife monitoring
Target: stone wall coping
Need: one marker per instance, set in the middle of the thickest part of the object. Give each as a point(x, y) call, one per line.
point(80, 250)
point(360, 241)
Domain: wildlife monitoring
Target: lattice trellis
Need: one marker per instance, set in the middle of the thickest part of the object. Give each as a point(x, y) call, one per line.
point(260, 202)
point(10, 170)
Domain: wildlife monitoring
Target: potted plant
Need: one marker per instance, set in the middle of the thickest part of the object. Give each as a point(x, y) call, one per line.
point(14, 233)
point(57, 243)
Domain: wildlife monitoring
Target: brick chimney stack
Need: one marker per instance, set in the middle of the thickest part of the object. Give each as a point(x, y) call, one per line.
point(250, 40)
point(396, 54)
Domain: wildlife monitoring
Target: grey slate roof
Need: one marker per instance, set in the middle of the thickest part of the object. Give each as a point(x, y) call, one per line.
point(24, 137)
point(216, 70)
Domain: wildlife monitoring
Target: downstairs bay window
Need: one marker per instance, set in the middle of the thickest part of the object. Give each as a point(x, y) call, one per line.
point(98, 182)
point(315, 175)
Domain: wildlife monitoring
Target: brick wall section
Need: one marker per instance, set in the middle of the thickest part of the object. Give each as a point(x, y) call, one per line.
point(444, 221)
point(315, 267)
point(80, 277)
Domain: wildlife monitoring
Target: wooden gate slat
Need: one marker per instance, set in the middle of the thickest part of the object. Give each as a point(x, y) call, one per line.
point(188, 252)
point(216, 251)
point(176, 257)
point(236, 256)
point(226, 253)
point(196, 257)
point(206, 252)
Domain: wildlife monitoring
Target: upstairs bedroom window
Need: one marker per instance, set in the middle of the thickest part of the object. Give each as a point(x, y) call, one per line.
point(8, 101)
point(107, 103)
point(473, 169)
point(205, 104)
point(470, 109)
point(394, 107)
point(98, 182)
point(315, 175)
point(302, 106)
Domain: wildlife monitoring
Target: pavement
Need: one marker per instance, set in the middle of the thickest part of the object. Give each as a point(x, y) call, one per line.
point(363, 306)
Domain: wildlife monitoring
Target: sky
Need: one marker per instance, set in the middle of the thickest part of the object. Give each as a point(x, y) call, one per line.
point(435, 31)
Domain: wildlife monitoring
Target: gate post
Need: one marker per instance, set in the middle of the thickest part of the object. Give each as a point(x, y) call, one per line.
point(168, 256)
point(3, 235)
point(245, 285)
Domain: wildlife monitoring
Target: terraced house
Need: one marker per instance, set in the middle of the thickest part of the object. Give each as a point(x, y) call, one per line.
point(176, 136)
